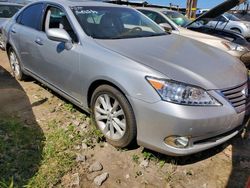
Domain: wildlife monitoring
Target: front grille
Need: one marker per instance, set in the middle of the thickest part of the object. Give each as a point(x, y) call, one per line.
point(238, 97)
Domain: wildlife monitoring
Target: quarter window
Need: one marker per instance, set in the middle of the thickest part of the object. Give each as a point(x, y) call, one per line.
point(31, 16)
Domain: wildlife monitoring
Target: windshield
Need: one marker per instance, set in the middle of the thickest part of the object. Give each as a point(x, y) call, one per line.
point(115, 23)
point(177, 18)
point(231, 17)
point(7, 11)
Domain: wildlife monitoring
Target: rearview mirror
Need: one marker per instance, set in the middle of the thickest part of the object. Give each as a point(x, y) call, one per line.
point(60, 35)
point(166, 27)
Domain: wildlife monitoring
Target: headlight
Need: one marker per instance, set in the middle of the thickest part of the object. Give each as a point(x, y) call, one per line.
point(234, 47)
point(181, 93)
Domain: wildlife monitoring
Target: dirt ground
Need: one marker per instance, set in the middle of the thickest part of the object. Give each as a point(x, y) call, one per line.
point(225, 166)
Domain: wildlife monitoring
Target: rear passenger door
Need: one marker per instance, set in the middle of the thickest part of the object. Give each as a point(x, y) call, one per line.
point(28, 28)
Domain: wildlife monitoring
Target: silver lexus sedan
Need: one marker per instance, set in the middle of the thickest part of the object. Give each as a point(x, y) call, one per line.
point(172, 94)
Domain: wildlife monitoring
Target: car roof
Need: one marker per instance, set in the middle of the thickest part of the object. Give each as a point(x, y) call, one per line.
point(71, 3)
point(11, 4)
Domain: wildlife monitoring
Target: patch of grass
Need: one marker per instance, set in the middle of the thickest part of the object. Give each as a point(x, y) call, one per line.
point(20, 152)
point(69, 107)
point(93, 136)
point(4, 184)
point(149, 156)
point(161, 163)
point(58, 155)
point(135, 158)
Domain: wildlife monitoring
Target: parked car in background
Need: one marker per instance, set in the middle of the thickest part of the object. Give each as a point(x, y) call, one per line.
point(230, 22)
point(224, 21)
point(173, 94)
point(201, 11)
point(175, 22)
point(7, 10)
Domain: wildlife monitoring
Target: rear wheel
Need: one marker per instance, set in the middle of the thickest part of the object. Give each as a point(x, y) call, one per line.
point(15, 65)
point(113, 115)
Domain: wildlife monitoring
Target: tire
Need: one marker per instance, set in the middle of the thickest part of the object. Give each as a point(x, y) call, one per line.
point(110, 108)
point(15, 65)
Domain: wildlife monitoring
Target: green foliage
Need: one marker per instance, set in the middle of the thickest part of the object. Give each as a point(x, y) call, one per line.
point(93, 136)
point(20, 149)
point(69, 107)
point(148, 156)
point(135, 158)
point(58, 155)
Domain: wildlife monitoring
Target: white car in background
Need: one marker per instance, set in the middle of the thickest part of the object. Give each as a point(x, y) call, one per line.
point(230, 22)
point(175, 22)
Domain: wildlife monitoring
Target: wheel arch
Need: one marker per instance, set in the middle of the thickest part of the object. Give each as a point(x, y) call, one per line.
point(236, 28)
point(92, 87)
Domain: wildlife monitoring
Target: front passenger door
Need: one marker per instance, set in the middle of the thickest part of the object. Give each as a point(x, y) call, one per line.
point(59, 66)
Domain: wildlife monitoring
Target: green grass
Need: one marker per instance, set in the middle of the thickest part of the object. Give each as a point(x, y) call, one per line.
point(69, 107)
point(135, 158)
point(58, 155)
point(30, 158)
point(20, 152)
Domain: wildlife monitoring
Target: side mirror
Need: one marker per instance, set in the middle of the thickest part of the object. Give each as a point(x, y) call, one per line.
point(60, 35)
point(166, 27)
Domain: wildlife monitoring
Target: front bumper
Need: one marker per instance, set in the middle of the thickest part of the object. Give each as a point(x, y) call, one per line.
point(206, 127)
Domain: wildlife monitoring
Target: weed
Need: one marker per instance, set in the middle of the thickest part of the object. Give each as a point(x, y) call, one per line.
point(161, 163)
point(69, 107)
point(149, 156)
point(93, 136)
point(4, 184)
point(135, 158)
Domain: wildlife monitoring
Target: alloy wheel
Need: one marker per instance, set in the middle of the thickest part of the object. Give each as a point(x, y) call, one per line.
point(110, 117)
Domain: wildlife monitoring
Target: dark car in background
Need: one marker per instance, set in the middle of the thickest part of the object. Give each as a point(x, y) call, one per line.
point(7, 10)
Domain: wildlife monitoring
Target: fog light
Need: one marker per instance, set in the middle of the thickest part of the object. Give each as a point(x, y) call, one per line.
point(177, 141)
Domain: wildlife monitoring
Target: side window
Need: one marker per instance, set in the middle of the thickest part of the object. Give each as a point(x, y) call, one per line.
point(154, 16)
point(31, 16)
point(58, 20)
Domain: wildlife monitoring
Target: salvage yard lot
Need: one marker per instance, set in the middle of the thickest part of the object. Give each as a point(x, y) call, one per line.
point(47, 142)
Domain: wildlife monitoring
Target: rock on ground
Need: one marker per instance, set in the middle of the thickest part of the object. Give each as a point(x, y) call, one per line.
point(100, 179)
point(97, 166)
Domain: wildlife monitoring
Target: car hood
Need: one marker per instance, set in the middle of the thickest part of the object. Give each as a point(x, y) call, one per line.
point(218, 10)
point(207, 39)
point(182, 59)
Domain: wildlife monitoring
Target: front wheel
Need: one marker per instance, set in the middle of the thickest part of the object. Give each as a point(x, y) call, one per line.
point(113, 115)
point(15, 65)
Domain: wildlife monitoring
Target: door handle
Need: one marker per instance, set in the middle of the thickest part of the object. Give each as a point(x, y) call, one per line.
point(13, 30)
point(39, 41)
